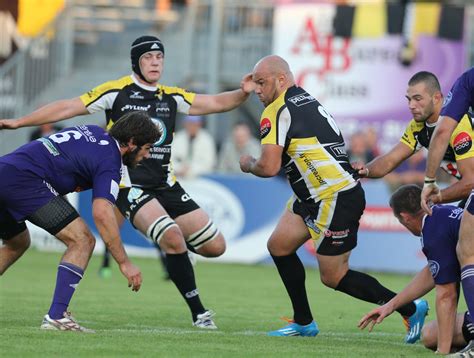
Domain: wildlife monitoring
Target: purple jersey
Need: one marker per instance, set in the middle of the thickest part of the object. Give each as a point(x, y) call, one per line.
point(74, 159)
point(439, 237)
point(461, 97)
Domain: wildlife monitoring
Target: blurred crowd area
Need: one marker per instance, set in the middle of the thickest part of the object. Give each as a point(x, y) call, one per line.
point(197, 44)
point(196, 152)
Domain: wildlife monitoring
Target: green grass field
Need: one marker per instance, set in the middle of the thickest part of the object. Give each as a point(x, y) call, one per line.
point(248, 300)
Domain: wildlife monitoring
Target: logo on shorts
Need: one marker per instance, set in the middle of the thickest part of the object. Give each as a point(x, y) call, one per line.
point(462, 143)
point(434, 268)
point(134, 194)
point(341, 234)
point(185, 197)
point(311, 224)
point(265, 127)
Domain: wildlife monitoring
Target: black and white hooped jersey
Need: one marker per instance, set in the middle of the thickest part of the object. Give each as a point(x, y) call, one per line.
point(162, 104)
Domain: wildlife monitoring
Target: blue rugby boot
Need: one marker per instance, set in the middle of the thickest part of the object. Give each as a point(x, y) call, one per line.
point(415, 322)
point(295, 329)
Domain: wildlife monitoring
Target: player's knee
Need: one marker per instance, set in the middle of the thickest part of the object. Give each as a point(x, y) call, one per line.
point(276, 248)
point(172, 241)
point(329, 279)
point(213, 248)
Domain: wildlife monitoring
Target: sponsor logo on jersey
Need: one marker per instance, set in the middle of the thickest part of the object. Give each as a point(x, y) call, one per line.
point(162, 128)
point(462, 143)
point(134, 107)
point(302, 99)
point(337, 234)
point(162, 109)
point(338, 149)
point(434, 268)
point(265, 127)
point(136, 95)
point(447, 99)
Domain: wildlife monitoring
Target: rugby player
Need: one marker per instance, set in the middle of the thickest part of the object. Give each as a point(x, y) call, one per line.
point(156, 204)
point(457, 103)
point(299, 134)
point(439, 236)
point(36, 175)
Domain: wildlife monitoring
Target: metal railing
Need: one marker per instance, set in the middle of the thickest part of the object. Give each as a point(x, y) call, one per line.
point(33, 68)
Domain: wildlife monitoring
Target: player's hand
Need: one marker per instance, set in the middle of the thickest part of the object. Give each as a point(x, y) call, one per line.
point(247, 84)
point(246, 162)
point(430, 189)
point(375, 316)
point(133, 275)
point(362, 170)
point(8, 124)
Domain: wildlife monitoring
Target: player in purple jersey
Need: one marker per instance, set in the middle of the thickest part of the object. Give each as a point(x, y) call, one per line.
point(439, 236)
point(457, 102)
point(36, 175)
point(156, 205)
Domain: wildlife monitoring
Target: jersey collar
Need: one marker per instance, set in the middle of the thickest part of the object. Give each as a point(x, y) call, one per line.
point(139, 84)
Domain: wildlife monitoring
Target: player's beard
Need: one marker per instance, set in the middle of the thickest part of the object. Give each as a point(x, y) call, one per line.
point(130, 158)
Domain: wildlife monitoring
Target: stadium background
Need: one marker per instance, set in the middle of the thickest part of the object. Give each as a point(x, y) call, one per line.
point(355, 56)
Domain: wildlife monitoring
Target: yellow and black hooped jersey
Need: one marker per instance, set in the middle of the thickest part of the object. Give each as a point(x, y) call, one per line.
point(314, 156)
point(418, 135)
point(162, 104)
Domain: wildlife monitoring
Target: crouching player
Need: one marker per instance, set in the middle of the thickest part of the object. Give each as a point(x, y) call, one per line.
point(36, 175)
point(439, 235)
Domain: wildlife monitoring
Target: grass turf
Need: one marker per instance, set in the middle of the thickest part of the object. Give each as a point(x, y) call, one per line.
point(155, 322)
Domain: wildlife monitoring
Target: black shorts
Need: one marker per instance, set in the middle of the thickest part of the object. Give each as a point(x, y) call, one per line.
point(174, 200)
point(9, 227)
point(334, 221)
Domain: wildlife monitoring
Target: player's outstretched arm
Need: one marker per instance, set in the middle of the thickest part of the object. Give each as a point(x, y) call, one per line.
point(222, 102)
point(53, 112)
point(104, 218)
point(461, 188)
point(384, 164)
point(376, 316)
point(421, 284)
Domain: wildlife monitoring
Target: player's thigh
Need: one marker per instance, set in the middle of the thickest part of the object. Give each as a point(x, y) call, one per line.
point(140, 206)
point(290, 233)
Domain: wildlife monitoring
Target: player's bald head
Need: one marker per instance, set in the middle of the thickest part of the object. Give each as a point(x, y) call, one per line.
point(273, 64)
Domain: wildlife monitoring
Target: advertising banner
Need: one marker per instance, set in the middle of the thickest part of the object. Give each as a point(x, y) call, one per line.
point(247, 209)
point(359, 78)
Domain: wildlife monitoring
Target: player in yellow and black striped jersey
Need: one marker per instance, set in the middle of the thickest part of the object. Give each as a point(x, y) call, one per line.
point(300, 135)
point(156, 204)
point(425, 101)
